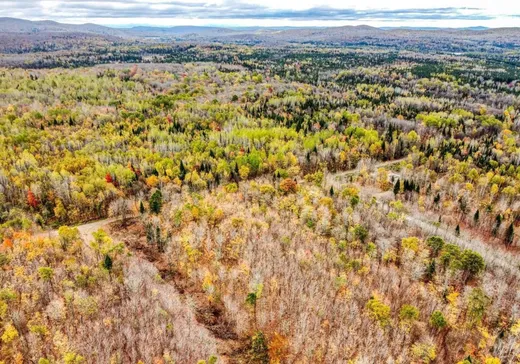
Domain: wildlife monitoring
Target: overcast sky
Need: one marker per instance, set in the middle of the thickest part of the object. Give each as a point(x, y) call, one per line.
point(381, 13)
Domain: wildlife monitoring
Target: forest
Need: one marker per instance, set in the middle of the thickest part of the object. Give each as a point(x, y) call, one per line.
point(235, 203)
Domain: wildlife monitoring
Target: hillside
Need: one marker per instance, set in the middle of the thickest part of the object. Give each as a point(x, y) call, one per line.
point(259, 196)
point(332, 35)
point(12, 25)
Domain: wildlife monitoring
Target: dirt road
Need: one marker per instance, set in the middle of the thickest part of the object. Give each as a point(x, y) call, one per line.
point(85, 230)
point(342, 174)
point(497, 257)
point(494, 256)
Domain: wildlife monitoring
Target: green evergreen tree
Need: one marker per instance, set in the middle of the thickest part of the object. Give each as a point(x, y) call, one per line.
point(472, 263)
point(107, 263)
point(156, 202)
point(498, 222)
point(437, 320)
point(476, 217)
point(436, 243)
point(437, 199)
point(182, 171)
point(510, 234)
point(430, 270)
point(397, 187)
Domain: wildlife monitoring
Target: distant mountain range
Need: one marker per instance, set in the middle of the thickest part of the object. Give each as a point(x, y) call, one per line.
point(330, 35)
point(12, 25)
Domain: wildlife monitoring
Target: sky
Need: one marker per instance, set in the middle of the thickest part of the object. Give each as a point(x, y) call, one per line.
point(244, 13)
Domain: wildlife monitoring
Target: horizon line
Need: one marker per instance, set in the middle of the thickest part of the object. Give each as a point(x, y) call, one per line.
point(222, 25)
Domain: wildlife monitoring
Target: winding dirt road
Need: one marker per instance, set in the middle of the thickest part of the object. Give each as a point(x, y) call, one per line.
point(496, 257)
point(342, 174)
point(85, 230)
point(493, 255)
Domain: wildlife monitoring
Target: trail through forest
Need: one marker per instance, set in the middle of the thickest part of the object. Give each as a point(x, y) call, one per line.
point(496, 257)
point(212, 318)
point(230, 347)
point(85, 230)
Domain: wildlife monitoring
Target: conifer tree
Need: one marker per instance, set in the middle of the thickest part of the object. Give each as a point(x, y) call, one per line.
point(156, 202)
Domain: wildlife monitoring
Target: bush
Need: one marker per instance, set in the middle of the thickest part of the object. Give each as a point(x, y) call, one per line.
point(437, 320)
point(231, 187)
point(378, 311)
point(316, 178)
point(408, 313)
point(360, 232)
point(477, 305)
point(45, 273)
point(472, 263)
point(411, 243)
point(267, 189)
point(435, 243)
point(10, 333)
point(450, 256)
point(67, 236)
point(424, 352)
point(259, 352)
point(288, 185)
point(278, 348)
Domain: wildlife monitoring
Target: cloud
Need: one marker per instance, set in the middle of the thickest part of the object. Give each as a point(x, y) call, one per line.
point(227, 9)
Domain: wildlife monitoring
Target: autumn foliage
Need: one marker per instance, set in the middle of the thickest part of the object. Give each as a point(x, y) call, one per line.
point(31, 200)
point(338, 206)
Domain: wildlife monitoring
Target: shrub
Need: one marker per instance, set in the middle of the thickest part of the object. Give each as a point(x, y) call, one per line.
point(435, 243)
point(244, 172)
point(231, 187)
point(316, 178)
point(477, 305)
point(73, 358)
point(67, 236)
point(411, 243)
point(408, 314)
point(45, 273)
point(354, 201)
point(360, 232)
point(472, 263)
point(437, 320)
point(424, 352)
point(492, 361)
point(278, 348)
point(10, 333)
point(3, 309)
point(288, 185)
point(259, 352)
point(267, 189)
point(378, 311)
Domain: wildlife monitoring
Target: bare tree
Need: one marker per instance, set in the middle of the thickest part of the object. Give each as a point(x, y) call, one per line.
point(120, 208)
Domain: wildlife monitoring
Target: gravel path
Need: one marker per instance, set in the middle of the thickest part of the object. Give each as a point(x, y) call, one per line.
point(85, 230)
point(494, 256)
